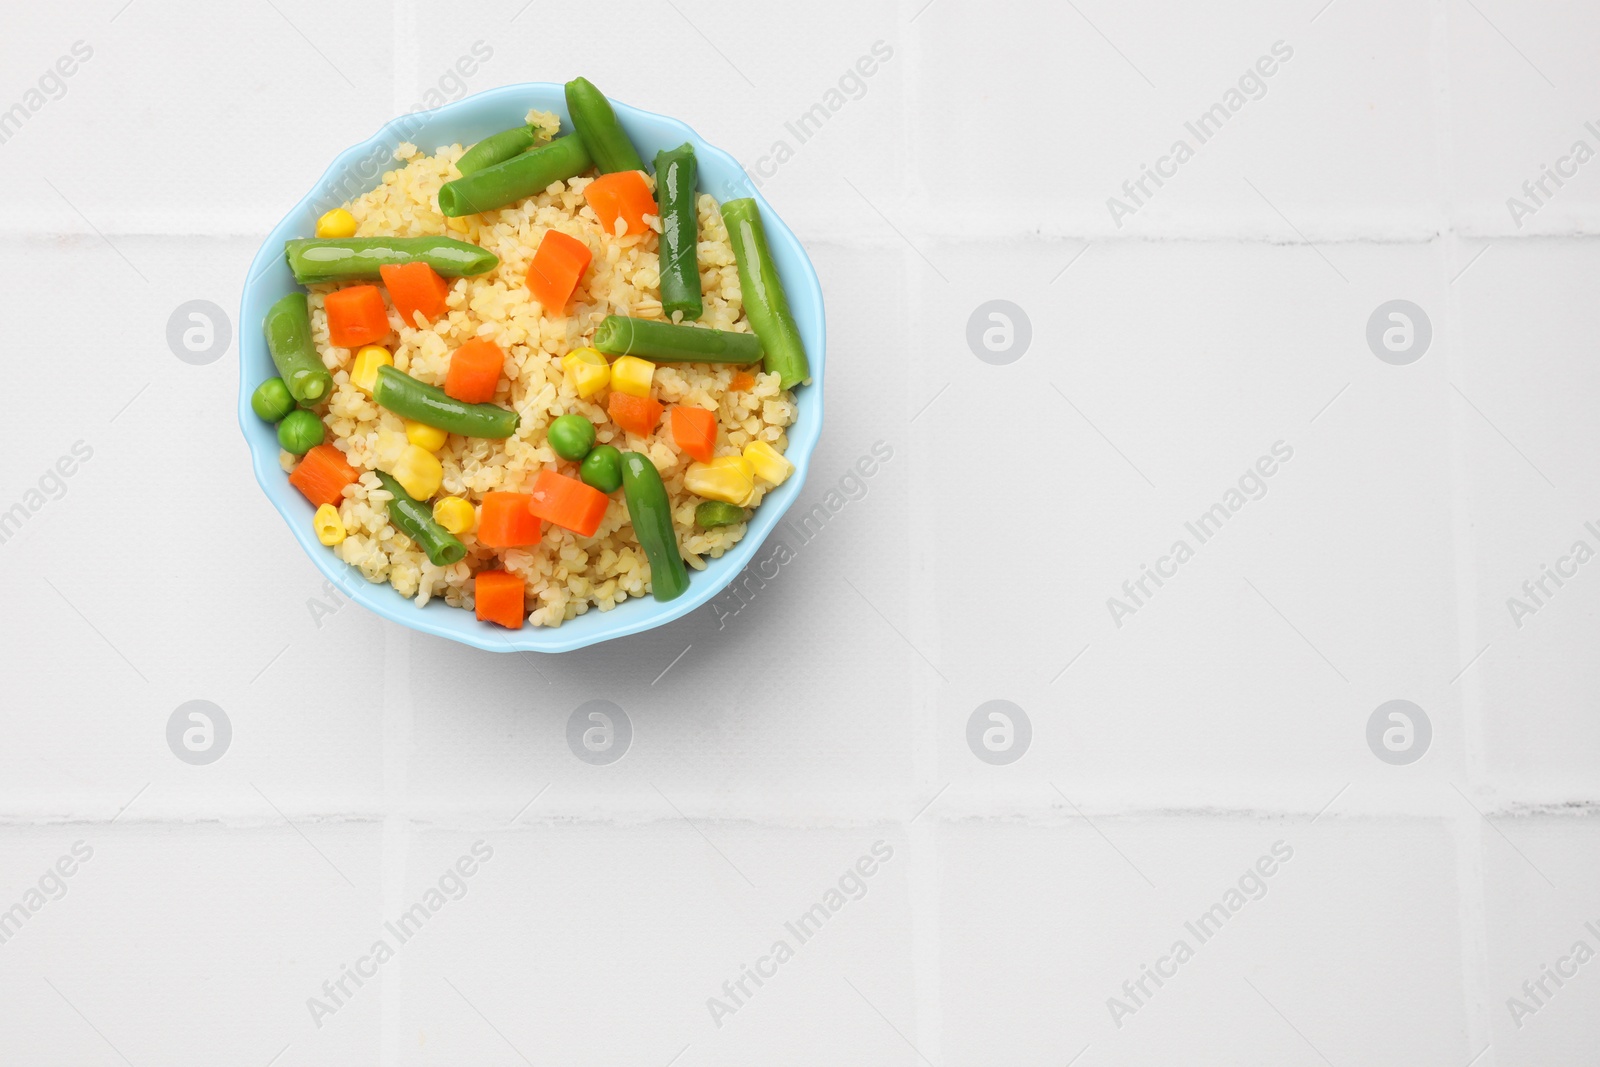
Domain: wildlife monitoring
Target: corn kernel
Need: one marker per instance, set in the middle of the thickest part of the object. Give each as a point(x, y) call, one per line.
point(364, 371)
point(424, 436)
point(458, 225)
point(419, 472)
point(454, 514)
point(770, 464)
point(329, 527)
point(632, 375)
point(729, 479)
point(337, 223)
point(588, 370)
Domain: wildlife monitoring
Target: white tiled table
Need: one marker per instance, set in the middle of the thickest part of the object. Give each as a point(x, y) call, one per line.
point(774, 748)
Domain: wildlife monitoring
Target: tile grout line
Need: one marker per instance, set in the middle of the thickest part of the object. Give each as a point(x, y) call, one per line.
point(1472, 905)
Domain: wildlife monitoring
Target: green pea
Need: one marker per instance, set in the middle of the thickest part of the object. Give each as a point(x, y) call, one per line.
point(602, 469)
point(300, 432)
point(571, 436)
point(271, 400)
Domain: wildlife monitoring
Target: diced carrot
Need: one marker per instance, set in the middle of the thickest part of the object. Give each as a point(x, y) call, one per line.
point(323, 474)
point(556, 268)
point(742, 382)
point(636, 414)
point(695, 431)
point(624, 193)
point(506, 522)
point(475, 370)
point(415, 287)
point(356, 316)
point(568, 503)
point(499, 597)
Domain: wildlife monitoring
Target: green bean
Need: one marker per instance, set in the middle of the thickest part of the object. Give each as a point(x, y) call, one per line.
point(499, 147)
point(272, 400)
point(764, 300)
point(602, 469)
point(415, 519)
point(300, 431)
point(666, 342)
point(713, 513)
point(571, 436)
point(288, 328)
point(428, 404)
point(351, 259)
point(527, 174)
point(596, 123)
point(651, 514)
point(680, 232)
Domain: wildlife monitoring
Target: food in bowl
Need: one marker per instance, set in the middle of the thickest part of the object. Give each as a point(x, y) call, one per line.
point(529, 376)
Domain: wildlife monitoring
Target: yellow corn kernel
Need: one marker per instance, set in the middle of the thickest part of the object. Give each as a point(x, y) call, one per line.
point(588, 370)
point(364, 371)
point(424, 436)
point(337, 223)
point(458, 225)
point(632, 375)
point(729, 479)
point(743, 469)
point(329, 527)
point(419, 472)
point(454, 514)
point(770, 464)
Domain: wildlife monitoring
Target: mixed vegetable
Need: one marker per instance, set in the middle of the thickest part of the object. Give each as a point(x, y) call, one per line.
point(412, 276)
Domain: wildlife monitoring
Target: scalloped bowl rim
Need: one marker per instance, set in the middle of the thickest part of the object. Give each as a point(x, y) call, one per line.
point(264, 284)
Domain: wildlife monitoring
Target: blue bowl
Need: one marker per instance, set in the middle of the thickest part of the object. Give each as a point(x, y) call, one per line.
point(359, 169)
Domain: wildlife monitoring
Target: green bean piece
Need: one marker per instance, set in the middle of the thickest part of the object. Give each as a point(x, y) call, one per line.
point(499, 147)
point(300, 431)
point(527, 174)
point(596, 123)
point(764, 299)
point(713, 513)
point(428, 404)
point(571, 436)
point(272, 400)
point(602, 469)
point(651, 514)
point(357, 259)
point(288, 328)
point(680, 232)
point(667, 342)
point(415, 519)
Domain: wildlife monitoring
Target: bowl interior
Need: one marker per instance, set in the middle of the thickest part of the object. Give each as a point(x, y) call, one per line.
point(359, 169)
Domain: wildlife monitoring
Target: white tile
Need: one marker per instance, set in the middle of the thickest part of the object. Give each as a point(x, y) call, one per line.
point(1537, 914)
point(304, 83)
point(1109, 92)
point(238, 925)
point(1519, 106)
point(656, 919)
point(1158, 378)
point(1526, 445)
point(1028, 975)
